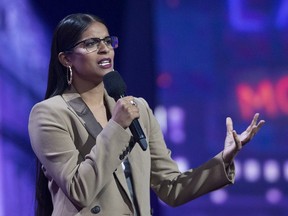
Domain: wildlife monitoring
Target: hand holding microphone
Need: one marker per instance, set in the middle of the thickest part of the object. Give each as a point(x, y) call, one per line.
point(116, 88)
point(125, 111)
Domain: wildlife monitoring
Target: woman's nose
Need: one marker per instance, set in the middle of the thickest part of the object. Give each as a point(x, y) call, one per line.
point(103, 47)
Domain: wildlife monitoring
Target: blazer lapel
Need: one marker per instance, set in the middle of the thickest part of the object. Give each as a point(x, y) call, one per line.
point(119, 174)
point(83, 112)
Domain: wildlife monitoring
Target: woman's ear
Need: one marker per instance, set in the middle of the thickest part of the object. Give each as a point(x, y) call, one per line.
point(63, 58)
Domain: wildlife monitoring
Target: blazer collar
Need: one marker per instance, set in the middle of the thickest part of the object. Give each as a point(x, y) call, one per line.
point(77, 105)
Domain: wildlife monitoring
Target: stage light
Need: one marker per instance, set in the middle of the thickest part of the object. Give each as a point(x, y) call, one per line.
point(182, 163)
point(238, 170)
point(271, 171)
point(273, 195)
point(285, 170)
point(161, 116)
point(219, 196)
point(176, 118)
point(251, 170)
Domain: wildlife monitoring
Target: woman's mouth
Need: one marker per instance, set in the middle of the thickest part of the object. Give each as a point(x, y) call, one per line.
point(105, 63)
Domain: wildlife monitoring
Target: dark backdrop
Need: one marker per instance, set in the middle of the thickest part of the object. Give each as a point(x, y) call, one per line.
point(195, 62)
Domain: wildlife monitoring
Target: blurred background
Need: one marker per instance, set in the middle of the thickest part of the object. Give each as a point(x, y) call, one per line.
point(195, 62)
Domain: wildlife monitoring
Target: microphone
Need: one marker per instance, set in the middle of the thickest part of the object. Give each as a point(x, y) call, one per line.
point(116, 88)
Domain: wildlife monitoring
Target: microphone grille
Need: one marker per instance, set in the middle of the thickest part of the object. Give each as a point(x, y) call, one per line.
point(114, 84)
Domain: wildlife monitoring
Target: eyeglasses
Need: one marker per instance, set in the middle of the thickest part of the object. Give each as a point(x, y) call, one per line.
point(92, 44)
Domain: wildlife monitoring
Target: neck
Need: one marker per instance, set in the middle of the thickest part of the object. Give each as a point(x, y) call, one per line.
point(92, 95)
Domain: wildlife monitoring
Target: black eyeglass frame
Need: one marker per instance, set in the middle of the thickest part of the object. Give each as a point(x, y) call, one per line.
point(114, 43)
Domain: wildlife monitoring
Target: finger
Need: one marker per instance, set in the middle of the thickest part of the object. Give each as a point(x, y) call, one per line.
point(260, 124)
point(229, 125)
point(257, 127)
point(133, 103)
point(253, 122)
point(122, 103)
point(134, 110)
point(130, 101)
point(237, 140)
point(254, 129)
point(255, 118)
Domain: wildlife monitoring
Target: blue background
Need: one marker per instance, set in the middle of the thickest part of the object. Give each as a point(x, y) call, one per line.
point(195, 62)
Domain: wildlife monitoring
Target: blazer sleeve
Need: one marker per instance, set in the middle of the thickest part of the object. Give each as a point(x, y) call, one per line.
point(172, 186)
point(53, 130)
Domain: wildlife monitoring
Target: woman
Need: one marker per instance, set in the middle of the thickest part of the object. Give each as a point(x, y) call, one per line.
point(86, 151)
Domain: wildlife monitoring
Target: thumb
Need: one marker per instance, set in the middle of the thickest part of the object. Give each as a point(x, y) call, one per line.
point(237, 141)
point(229, 125)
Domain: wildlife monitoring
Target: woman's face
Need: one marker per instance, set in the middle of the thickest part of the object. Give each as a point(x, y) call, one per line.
point(92, 66)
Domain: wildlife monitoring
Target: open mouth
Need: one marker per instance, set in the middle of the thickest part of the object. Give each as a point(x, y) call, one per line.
point(105, 62)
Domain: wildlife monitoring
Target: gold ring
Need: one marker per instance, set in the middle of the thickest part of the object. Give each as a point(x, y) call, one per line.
point(133, 102)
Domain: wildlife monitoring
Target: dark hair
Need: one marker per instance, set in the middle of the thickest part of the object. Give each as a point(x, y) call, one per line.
point(66, 34)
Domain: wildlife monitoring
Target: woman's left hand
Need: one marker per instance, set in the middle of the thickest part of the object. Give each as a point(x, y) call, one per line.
point(234, 142)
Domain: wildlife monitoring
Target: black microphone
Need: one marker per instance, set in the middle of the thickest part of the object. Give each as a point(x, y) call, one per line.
point(116, 88)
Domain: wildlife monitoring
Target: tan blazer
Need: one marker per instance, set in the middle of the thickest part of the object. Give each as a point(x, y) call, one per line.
point(84, 169)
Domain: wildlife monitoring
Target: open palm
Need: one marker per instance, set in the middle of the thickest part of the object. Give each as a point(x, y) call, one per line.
point(234, 142)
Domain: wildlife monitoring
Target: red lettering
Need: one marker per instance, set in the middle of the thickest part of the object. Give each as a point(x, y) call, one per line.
point(252, 100)
point(281, 94)
point(266, 96)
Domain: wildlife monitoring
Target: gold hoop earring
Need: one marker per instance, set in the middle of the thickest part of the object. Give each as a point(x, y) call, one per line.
point(69, 75)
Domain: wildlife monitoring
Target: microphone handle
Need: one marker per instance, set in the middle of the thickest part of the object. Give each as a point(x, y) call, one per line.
point(138, 134)
point(136, 130)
